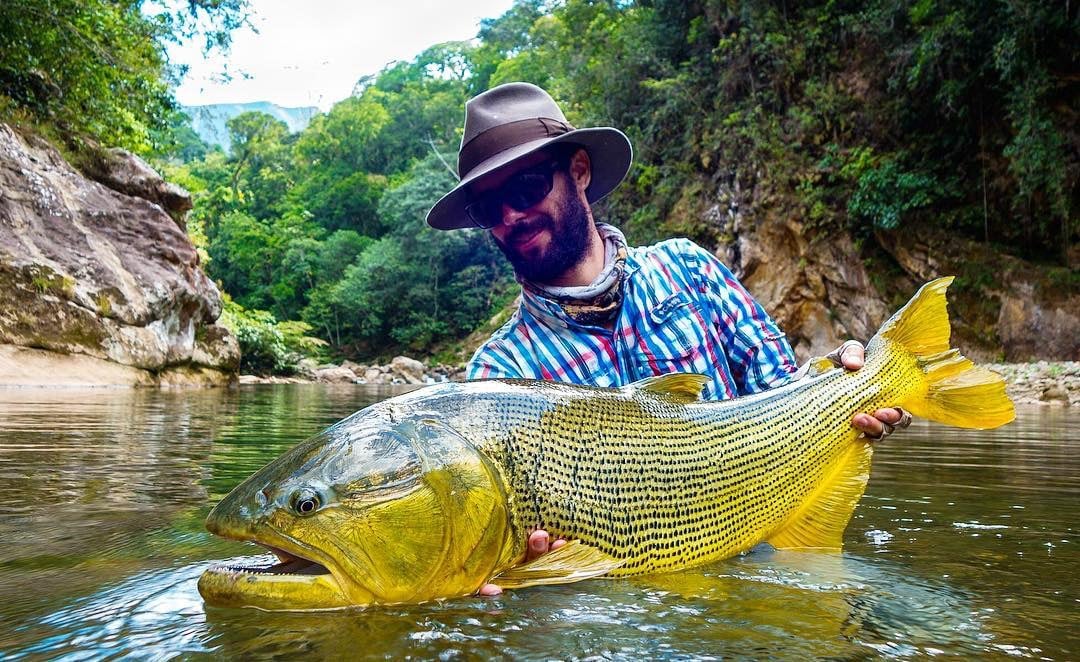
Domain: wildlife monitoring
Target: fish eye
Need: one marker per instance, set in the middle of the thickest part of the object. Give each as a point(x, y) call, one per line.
point(305, 501)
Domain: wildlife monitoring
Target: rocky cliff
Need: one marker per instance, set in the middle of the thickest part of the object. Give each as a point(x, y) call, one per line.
point(821, 291)
point(98, 283)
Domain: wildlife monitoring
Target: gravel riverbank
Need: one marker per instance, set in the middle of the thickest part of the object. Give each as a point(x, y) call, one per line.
point(1043, 382)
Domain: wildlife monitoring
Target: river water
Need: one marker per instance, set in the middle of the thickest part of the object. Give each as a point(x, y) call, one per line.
point(965, 544)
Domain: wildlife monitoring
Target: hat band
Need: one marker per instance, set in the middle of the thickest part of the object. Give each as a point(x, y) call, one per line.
point(504, 136)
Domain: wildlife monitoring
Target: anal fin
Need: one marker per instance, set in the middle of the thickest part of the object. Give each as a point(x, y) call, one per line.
point(570, 563)
point(821, 521)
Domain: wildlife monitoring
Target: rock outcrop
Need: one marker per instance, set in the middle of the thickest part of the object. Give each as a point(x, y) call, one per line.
point(821, 292)
point(1029, 317)
point(103, 286)
point(818, 291)
point(126, 173)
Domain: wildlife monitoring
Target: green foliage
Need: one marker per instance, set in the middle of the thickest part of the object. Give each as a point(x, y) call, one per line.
point(981, 93)
point(415, 286)
point(181, 143)
point(266, 345)
point(97, 68)
point(884, 194)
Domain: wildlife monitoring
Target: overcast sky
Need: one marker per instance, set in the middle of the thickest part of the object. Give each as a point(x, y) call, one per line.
point(310, 53)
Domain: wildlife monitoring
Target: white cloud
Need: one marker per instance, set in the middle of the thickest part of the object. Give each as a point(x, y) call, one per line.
point(312, 53)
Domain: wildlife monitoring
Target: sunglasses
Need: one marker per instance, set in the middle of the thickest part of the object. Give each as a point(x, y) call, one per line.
point(523, 190)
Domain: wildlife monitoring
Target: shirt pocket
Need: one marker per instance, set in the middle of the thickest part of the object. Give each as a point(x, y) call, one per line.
point(671, 337)
point(585, 361)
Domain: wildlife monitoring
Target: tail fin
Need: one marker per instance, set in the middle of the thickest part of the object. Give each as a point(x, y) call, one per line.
point(959, 393)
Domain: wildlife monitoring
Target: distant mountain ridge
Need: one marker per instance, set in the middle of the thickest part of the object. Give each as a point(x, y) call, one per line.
point(209, 120)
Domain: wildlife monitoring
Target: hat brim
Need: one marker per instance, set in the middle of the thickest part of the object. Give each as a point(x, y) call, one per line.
point(609, 152)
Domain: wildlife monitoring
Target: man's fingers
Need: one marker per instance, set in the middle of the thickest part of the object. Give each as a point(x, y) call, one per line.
point(890, 415)
point(539, 543)
point(850, 355)
point(883, 423)
point(868, 425)
point(490, 590)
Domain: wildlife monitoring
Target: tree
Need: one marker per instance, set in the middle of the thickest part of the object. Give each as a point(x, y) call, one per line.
point(98, 68)
point(258, 151)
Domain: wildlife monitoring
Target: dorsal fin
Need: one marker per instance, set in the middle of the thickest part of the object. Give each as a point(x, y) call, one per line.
point(817, 365)
point(682, 387)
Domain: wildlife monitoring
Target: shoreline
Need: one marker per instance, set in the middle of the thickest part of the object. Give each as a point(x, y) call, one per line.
point(1041, 383)
point(1045, 383)
point(1054, 383)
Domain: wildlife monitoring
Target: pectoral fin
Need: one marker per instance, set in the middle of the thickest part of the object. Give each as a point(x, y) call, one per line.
point(570, 563)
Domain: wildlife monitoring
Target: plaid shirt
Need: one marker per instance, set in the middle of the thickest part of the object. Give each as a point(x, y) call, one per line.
point(682, 311)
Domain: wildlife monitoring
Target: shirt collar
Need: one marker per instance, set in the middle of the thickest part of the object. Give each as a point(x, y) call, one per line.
point(550, 311)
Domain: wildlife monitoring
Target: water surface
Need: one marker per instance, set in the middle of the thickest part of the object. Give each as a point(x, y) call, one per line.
point(964, 544)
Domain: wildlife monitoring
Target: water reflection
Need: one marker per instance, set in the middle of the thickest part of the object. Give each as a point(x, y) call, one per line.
point(963, 545)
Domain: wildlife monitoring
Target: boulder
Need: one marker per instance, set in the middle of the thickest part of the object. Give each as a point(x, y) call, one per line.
point(216, 346)
point(87, 271)
point(1031, 327)
point(354, 366)
point(335, 375)
point(1055, 393)
point(305, 368)
point(408, 369)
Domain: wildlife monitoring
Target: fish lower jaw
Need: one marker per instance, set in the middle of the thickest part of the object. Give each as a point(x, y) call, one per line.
point(278, 587)
point(292, 583)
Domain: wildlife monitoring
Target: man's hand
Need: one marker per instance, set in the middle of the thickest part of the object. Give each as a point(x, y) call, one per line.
point(883, 422)
point(539, 543)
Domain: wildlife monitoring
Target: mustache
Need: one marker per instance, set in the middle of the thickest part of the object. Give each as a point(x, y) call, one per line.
point(526, 228)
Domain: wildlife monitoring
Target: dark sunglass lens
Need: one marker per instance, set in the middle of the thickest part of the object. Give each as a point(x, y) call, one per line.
point(485, 212)
point(527, 189)
point(521, 192)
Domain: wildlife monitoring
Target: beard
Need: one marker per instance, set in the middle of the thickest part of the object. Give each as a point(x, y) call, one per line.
point(569, 234)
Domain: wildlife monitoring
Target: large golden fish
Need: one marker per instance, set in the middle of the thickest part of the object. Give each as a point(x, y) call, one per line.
point(432, 494)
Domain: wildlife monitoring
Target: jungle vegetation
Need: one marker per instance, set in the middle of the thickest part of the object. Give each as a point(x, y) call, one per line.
point(852, 116)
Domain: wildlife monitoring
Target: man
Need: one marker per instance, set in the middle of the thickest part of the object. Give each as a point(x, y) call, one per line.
point(592, 309)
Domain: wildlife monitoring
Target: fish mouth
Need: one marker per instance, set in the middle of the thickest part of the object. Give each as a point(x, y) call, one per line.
point(288, 564)
point(288, 581)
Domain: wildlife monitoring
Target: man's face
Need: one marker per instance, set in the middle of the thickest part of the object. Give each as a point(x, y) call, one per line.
point(545, 240)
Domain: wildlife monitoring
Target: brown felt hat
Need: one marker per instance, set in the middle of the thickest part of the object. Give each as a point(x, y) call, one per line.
point(516, 119)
